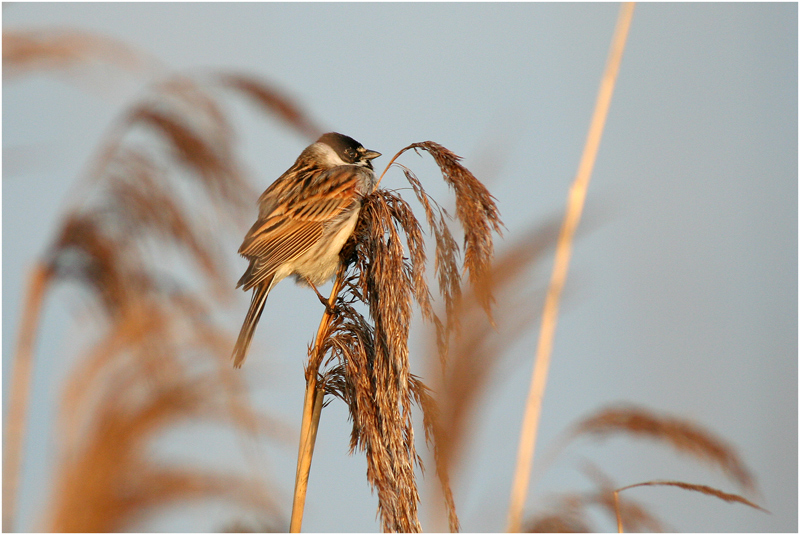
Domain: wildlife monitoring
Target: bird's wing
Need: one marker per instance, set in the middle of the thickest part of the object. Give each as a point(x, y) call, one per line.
point(298, 220)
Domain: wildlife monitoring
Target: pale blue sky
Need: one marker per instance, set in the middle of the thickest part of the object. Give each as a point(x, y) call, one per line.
point(683, 288)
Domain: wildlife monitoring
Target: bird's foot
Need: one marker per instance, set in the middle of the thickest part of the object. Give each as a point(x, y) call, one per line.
point(322, 299)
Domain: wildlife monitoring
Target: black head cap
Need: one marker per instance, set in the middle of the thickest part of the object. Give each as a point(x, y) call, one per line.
point(346, 147)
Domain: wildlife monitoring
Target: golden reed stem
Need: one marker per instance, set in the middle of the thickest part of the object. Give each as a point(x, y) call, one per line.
point(21, 376)
point(575, 202)
point(312, 407)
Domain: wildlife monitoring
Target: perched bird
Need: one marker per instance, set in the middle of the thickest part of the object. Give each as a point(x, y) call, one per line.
point(304, 219)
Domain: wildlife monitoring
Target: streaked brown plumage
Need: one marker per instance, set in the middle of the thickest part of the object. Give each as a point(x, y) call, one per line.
point(304, 219)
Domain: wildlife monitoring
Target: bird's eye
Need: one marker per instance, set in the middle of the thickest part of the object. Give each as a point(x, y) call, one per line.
point(351, 154)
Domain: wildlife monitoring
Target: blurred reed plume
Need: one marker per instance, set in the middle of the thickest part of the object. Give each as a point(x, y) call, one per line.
point(141, 380)
point(142, 238)
point(702, 489)
point(570, 512)
point(25, 51)
point(480, 343)
point(682, 435)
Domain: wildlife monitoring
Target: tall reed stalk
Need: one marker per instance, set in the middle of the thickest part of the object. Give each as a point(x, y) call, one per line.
point(312, 408)
point(577, 196)
point(14, 439)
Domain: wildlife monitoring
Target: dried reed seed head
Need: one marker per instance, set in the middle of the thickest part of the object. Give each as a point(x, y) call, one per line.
point(478, 347)
point(101, 247)
point(191, 101)
point(565, 516)
point(374, 360)
point(446, 267)
point(568, 511)
point(146, 206)
point(142, 205)
point(433, 437)
point(386, 281)
point(556, 523)
point(83, 252)
point(196, 127)
point(475, 209)
point(133, 390)
point(25, 51)
point(137, 384)
point(682, 435)
point(211, 163)
point(272, 101)
point(635, 516)
point(479, 217)
point(138, 203)
point(703, 489)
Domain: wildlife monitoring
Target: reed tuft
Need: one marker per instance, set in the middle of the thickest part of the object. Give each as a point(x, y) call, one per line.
point(479, 345)
point(703, 489)
point(375, 370)
point(368, 363)
point(272, 101)
point(605, 495)
point(570, 512)
point(475, 209)
point(564, 515)
point(682, 435)
point(26, 51)
point(131, 389)
point(156, 197)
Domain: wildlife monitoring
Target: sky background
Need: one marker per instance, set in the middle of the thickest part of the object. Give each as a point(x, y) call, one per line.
point(682, 293)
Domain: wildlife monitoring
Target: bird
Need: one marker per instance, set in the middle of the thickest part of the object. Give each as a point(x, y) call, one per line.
point(304, 219)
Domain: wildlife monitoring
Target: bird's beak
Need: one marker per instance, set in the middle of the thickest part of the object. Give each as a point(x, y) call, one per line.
point(371, 155)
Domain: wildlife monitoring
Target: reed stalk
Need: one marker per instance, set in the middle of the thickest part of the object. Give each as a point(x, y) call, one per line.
point(575, 202)
point(617, 511)
point(21, 377)
point(312, 408)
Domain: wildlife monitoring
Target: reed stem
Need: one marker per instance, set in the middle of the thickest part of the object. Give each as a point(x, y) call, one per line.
point(618, 512)
point(312, 408)
point(575, 202)
point(21, 377)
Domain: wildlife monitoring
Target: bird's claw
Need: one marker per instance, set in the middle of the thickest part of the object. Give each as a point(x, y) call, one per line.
point(331, 310)
point(328, 308)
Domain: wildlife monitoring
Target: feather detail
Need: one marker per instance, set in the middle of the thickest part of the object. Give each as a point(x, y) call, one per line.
point(257, 303)
point(304, 219)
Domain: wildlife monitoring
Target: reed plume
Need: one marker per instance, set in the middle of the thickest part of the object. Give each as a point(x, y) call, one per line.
point(480, 343)
point(684, 436)
point(58, 49)
point(135, 217)
point(637, 422)
point(368, 362)
point(136, 384)
point(570, 512)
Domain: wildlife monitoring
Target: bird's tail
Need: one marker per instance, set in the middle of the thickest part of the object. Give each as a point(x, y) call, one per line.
point(260, 294)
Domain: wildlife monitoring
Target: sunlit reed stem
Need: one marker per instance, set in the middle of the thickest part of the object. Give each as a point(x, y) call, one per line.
point(577, 196)
point(312, 407)
point(20, 392)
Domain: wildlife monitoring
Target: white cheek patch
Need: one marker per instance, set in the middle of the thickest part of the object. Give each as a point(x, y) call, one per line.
point(327, 156)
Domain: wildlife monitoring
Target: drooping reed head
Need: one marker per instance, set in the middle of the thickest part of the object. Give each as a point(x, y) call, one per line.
point(372, 373)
